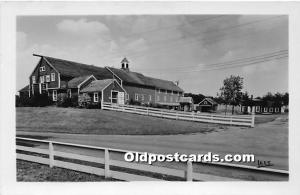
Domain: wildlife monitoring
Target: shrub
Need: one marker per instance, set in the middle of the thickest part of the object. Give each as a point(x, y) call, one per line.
point(38, 100)
point(65, 101)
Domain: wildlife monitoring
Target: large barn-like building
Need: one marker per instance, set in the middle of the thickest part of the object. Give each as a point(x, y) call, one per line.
point(62, 78)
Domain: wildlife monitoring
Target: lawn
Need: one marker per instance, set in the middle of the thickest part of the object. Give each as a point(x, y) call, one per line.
point(96, 121)
point(30, 171)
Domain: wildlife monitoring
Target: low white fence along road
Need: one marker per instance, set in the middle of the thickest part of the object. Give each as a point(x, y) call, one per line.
point(35, 154)
point(239, 120)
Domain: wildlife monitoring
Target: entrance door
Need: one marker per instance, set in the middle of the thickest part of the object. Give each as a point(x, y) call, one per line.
point(121, 97)
point(114, 97)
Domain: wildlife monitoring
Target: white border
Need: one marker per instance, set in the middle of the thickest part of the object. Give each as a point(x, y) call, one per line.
point(8, 90)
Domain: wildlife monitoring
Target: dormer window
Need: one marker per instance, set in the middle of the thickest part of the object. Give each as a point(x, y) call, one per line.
point(42, 69)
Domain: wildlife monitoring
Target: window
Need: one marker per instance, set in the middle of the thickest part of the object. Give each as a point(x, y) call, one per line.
point(265, 109)
point(42, 79)
point(54, 95)
point(257, 109)
point(96, 97)
point(33, 80)
point(271, 109)
point(114, 97)
point(136, 97)
point(42, 68)
point(276, 109)
point(47, 78)
point(52, 76)
point(127, 96)
point(150, 98)
point(69, 93)
point(142, 96)
point(165, 98)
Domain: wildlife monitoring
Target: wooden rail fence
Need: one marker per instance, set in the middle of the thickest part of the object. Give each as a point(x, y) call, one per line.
point(239, 120)
point(188, 174)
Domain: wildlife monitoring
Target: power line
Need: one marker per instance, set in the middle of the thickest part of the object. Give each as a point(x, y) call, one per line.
point(239, 62)
point(174, 41)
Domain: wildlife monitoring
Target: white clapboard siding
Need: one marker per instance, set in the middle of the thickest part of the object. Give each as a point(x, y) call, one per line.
point(149, 168)
point(31, 158)
point(30, 149)
point(180, 115)
point(80, 168)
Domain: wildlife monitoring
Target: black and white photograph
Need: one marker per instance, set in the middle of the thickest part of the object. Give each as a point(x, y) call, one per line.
point(195, 97)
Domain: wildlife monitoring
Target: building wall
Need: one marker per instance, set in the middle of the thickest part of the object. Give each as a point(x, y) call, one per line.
point(48, 70)
point(143, 94)
point(107, 91)
point(163, 96)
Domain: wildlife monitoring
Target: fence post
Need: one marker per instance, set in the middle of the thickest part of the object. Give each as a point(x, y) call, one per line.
point(147, 111)
point(161, 114)
point(253, 119)
point(231, 120)
point(51, 155)
point(106, 164)
point(193, 116)
point(189, 171)
point(176, 115)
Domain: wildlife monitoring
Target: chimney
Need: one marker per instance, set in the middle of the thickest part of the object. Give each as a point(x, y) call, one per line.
point(176, 83)
point(125, 64)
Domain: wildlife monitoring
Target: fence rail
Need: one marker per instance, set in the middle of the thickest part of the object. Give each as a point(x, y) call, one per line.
point(239, 120)
point(188, 174)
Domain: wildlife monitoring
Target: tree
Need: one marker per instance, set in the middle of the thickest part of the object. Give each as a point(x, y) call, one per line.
point(231, 91)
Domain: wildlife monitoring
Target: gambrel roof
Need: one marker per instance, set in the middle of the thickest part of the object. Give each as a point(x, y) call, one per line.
point(138, 78)
point(74, 69)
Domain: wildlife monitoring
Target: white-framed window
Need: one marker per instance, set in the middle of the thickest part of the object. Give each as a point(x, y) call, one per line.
point(271, 110)
point(42, 79)
point(136, 97)
point(276, 109)
point(150, 98)
point(42, 69)
point(54, 95)
point(69, 93)
point(257, 109)
point(52, 76)
point(96, 97)
point(33, 79)
point(171, 99)
point(142, 97)
point(157, 98)
point(265, 109)
point(47, 78)
point(165, 98)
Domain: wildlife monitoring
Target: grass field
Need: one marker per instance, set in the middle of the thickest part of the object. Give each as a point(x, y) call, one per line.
point(30, 171)
point(96, 121)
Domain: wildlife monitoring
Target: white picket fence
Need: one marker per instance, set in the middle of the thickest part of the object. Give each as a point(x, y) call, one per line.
point(187, 174)
point(239, 120)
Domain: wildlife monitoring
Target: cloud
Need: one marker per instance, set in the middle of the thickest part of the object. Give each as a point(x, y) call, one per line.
point(83, 27)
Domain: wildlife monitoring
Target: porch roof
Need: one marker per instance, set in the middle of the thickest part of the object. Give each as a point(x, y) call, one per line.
point(97, 85)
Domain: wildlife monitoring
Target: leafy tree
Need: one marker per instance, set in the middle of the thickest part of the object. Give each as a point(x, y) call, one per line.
point(230, 92)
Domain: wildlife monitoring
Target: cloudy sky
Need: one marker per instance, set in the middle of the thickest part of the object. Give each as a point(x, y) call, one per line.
point(188, 48)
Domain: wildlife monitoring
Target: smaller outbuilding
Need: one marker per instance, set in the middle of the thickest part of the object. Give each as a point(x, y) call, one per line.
point(207, 105)
point(97, 91)
point(186, 104)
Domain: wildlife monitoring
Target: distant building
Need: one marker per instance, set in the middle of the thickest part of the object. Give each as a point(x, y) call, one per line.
point(186, 103)
point(62, 78)
point(260, 106)
point(207, 105)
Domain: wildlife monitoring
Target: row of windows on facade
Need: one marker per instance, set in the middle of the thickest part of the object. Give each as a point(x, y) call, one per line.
point(142, 98)
point(44, 78)
point(168, 91)
point(265, 109)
